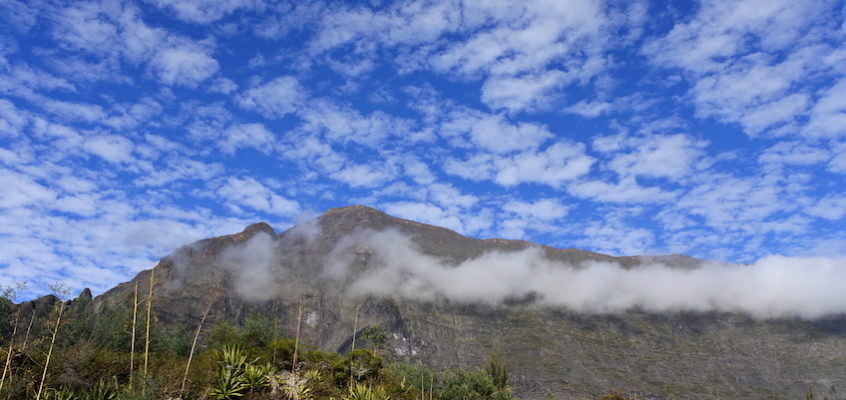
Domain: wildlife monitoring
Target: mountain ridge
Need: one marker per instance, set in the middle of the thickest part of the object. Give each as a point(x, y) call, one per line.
point(571, 354)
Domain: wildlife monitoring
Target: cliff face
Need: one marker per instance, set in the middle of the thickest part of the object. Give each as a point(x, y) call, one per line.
point(682, 355)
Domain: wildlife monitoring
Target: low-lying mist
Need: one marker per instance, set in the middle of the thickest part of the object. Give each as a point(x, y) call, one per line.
point(389, 263)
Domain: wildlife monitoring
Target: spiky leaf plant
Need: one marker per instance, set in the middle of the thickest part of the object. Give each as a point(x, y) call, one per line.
point(361, 391)
point(233, 358)
point(229, 385)
point(101, 391)
point(255, 376)
point(291, 385)
point(61, 394)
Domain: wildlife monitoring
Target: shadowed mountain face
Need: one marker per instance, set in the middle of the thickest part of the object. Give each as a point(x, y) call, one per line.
point(319, 266)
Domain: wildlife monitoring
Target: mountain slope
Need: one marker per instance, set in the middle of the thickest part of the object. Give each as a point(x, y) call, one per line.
point(548, 349)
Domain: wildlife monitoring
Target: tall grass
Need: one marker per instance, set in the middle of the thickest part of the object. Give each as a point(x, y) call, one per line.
point(50, 351)
point(297, 337)
point(147, 333)
point(9, 354)
point(132, 345)
point(194, 344)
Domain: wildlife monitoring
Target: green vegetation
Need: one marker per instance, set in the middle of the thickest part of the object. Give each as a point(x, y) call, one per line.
point(75, 355)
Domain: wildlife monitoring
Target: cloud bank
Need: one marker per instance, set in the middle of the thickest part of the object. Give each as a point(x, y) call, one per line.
point(389, 263)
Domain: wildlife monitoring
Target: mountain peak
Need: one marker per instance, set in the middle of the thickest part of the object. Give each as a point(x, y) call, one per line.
point(357, 209)
point(257, 227)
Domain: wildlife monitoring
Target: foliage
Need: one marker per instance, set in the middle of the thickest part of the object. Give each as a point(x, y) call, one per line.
point(91, 362)
point(470, 385)
point(101, 391)
point(291, 385)
point(406, 380)
point(223, 334)
point(359, 364)
point(256, 332)
point(229, 385)
point(61, 394)
point(361, 391)
point(498, 373)
point(255, 377)
point(374, 336)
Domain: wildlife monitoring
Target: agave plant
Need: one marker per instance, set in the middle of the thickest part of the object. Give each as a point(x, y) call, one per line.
point(233, 358)
point(361, 391)
point(101, 391)
point(61, 394)
point(255, 376)
point(229, 385)
point(291, 385)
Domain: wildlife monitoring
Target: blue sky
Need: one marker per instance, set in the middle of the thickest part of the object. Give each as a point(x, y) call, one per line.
point(715, 129)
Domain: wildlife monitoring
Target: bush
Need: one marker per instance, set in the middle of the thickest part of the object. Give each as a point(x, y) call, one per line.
point(358, 365)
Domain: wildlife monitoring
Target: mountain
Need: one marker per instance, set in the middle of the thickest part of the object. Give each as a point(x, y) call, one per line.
point(324, 271)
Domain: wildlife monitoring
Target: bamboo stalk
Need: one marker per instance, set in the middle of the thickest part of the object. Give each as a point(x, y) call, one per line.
point(50, 351)
point(147, 334)
point(29, 328)
point(275, 320)
point(9, 354)
point(352, 348)
point(355, 328)
point(132, 345)
point(431, 386)
point(297, 337)
point(194, 345)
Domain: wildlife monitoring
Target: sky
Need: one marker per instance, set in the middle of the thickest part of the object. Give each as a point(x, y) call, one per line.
point(715, 129)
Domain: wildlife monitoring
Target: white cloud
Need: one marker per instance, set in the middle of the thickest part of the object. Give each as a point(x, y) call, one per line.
point(313, 154)
point(205, 11)
point(251, 135)
point(494, 133)
point(753, 92)
point(478, 167)
point(541, 209)
point(508, 45)
point(559, 163)
point(491, 132)
point(794, 153)
point(85, 25)
point(427, 213)
point(84, 205)
point(274, 99)
point(363, 175)
point(733, 52)
point(12, 120)
point(657, 156)
point(830, 207)
point(627, 190)
point(74, 111)
point(828, 115)
point(589, 109)
point(450, 197)
point(184, 66)
point(618, 239)
point(345, 124)
point(251, 193)
point(21, 190)
point(223, 85)
point(112, 148)
point(753, 205)
point(838, 162)
point(418, 170)
point(525, 92)
point(720, 29)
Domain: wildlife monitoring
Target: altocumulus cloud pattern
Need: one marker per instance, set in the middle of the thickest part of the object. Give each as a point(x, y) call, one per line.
point(715, 128)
